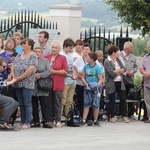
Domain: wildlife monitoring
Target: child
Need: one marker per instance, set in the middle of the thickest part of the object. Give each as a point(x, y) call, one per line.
point(92, 78)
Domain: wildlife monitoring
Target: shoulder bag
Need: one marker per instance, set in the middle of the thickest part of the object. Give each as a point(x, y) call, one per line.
point(45, 84)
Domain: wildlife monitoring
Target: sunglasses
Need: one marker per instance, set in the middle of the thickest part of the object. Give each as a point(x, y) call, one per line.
point(4, 67)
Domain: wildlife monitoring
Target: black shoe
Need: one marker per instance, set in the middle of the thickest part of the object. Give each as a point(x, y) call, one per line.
point(35, 125)
point(144, 119)
point(96, 123)
point(147, 121)
point(47, 125)
point(82, 124)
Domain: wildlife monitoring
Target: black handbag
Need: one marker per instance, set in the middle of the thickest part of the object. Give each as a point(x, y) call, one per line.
point(134, 93)
point(45, 84)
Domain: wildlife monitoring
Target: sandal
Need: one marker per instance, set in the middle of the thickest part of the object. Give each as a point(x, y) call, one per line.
point(23, 126)
point(58, 124)
point(5, 126)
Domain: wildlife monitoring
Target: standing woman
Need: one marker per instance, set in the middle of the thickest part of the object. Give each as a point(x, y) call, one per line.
point(59, 70)
point(114, 82)
point(10, 48)
point(43, 71)
point(24, 67)
point(78, 49)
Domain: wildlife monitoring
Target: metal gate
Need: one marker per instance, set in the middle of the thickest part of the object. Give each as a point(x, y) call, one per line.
point(22, 22)
point(100, 40)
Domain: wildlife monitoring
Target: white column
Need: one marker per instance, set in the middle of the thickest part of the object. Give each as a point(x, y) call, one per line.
point(68, 18)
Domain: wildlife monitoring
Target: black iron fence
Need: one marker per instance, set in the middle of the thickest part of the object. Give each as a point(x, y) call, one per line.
point(100, 39)
point(22, 22)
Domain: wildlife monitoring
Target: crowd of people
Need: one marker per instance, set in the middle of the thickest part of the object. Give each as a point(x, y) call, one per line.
point(72, 69)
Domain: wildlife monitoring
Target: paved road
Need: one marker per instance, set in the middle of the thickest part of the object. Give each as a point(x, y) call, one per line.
point(110, 136)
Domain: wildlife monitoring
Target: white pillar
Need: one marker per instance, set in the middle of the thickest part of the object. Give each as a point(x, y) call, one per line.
point(68, 18)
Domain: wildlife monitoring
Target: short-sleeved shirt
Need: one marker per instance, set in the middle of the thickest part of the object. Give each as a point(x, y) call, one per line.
point(91, 73)
point(5, 55)
point(69, 58)
point(76, 55)
point(20, 66)
point(19, 49)
point(146, 66)
point(79, 64)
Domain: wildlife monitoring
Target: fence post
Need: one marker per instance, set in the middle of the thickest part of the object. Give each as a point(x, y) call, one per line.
point(68, 18)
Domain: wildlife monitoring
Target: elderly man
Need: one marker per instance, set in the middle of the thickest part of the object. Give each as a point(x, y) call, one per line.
point(145, 70)
point(129, 61)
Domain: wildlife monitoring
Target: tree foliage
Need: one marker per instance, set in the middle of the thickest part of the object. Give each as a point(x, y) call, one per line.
point(140, 48)
point(134, 12)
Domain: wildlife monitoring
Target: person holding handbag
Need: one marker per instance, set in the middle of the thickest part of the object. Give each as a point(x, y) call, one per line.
point(59, 69)
point(114, 70)
point(39, 95)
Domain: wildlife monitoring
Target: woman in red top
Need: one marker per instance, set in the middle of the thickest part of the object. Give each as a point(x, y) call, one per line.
point(59, 70)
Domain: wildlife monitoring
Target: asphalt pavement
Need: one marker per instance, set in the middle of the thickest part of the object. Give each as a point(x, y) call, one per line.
point(110, 136)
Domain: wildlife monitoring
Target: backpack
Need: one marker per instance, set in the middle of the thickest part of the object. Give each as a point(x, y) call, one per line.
point(73, 117)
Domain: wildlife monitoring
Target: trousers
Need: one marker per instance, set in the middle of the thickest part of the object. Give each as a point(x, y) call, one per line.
point(8, 106)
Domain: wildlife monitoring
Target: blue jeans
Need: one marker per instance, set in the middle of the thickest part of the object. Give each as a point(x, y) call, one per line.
point(24, 98)
point(91, 98)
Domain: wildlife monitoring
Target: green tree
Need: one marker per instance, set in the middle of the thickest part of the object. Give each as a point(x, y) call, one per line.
point(140, 48)
point(134, 12)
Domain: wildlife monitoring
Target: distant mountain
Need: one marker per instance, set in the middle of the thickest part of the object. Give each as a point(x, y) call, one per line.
point(93, 9)
point(36, 5)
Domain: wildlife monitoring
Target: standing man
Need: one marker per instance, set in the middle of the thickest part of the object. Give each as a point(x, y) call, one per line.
point(129, 61)
point(67, 96)
point(145, 70)
point(42, 39)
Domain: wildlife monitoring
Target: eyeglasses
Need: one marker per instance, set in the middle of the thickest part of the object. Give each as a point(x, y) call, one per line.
point(4, 67)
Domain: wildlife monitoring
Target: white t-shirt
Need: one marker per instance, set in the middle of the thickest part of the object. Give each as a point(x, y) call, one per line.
point(79, 64)
point(76, 55)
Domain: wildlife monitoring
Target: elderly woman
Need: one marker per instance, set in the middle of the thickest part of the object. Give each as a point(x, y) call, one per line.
point(43, 71)
point(114, 82)
point(24, 67)
point(59, 69)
